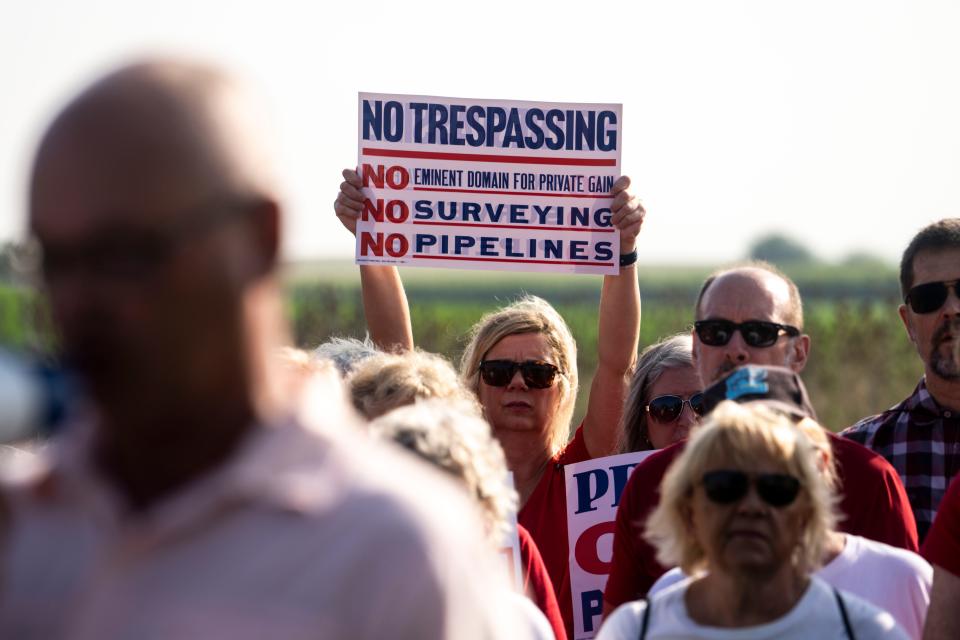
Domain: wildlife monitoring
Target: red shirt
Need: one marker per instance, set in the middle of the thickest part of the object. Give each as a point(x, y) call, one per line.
point(874, 504)
point(537, 583)
point(942, 545)
point(545, 517)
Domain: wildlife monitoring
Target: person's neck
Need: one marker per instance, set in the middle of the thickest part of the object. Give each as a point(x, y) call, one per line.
point(945, 392)
point(721, 600)
point(527, 456)
point(151, 450)
point(835, 543)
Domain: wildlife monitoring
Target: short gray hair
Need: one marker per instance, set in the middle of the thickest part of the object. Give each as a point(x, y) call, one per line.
point(454, 437)
point(346, 353)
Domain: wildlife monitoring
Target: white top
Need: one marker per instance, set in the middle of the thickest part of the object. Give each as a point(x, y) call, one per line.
point(305, 533)
point(816, 615)
point(892, 579)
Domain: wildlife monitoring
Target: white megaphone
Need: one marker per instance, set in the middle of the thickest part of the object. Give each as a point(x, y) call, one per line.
point(33, 399)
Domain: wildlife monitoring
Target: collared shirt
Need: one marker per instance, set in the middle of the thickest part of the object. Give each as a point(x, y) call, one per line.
point(302, 534)
point(921, 440)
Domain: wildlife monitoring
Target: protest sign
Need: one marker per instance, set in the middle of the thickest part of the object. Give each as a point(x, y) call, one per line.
point(488, 184)
point(594, 488)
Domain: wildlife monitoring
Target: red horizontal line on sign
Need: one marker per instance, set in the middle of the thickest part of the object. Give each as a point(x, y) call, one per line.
point(510, 226)
point(525, 261)
point(518, 193)
point(487, 157)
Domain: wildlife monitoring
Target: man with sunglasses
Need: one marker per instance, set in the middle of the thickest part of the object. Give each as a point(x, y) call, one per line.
point(199, 494)
point(752, 315)
point(921, 435)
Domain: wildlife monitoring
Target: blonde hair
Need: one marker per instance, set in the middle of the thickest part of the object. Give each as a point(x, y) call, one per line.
point(454, 437)
point(738, 435)
point(530, 314)
point(386, 381)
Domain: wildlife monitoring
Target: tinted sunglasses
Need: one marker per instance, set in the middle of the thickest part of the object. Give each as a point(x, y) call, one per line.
point(668, 408)
point(536, 373)
point(727, 487)
point(927, 298)
point(756, 333)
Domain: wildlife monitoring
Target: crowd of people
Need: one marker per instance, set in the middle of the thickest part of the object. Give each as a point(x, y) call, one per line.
point(216, 482)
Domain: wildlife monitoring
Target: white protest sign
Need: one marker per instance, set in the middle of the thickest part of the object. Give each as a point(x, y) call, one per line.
point(593, 493)
point(488, 184)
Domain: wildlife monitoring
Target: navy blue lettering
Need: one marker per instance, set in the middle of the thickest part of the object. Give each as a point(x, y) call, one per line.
point(456, 124)
point(418, 109)
point(585, 495)
point(534, 141)
point(514, 134)
point(475, 139)
point(438, 118)
point(496, 122)
point(603, 251)
point(422, 209)
point(557, 141)
point(607, 138)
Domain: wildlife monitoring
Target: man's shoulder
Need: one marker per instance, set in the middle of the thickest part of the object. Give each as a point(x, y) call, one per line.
point(866, 429)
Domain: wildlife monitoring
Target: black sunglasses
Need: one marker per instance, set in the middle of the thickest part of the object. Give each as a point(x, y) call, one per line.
point(668, 408)
point(728, 486)
point(756, 333)
point(536, 373)
point(927, 298)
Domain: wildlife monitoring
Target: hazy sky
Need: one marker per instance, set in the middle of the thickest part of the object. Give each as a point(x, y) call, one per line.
point(836, 121)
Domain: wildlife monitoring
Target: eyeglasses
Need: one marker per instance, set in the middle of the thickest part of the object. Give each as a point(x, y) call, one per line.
point(536, 373)
point(756, 333)
point(668, 408)
point(927, 298)
point(728, 486)
point(131, 254)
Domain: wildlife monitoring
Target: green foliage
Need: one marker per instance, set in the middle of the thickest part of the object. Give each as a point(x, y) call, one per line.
point(780, 250)
point(861, 361)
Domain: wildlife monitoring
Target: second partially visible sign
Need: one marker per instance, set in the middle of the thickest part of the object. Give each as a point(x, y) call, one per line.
point(486, 184)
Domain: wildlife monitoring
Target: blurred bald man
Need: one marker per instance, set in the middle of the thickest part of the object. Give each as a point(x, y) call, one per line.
point(197, 497)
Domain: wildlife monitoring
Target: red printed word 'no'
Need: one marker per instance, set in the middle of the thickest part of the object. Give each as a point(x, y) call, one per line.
point(393, 177)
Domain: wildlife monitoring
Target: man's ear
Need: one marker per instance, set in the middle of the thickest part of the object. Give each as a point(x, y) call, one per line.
point(905, 318)
point(799, 352)
point(265, 228)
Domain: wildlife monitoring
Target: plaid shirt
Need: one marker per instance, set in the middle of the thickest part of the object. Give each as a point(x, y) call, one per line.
point(922, 442)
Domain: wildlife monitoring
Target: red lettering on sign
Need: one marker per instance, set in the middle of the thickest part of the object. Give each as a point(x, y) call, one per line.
point(586, 548)
point(396, 177)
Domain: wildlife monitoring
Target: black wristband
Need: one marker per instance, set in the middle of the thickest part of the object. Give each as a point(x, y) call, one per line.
point(627, 259)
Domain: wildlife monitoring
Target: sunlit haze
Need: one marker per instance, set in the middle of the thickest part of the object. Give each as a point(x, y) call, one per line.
point(834, 122)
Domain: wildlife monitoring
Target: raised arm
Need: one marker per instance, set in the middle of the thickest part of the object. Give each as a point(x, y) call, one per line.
point(619, 331)
point(384, 300)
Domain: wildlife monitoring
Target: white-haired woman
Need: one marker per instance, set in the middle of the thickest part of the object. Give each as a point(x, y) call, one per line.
point(665, 398)
point(746, 511)
point(522, 363)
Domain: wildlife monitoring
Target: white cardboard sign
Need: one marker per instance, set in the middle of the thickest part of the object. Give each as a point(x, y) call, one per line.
point(488, 184)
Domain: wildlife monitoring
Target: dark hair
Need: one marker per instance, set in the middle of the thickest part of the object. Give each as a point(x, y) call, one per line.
point(796, 304)
point(943, 234)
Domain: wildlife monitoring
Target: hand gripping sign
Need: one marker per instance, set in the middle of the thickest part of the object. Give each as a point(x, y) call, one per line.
point(488, 184)
point(593, 493)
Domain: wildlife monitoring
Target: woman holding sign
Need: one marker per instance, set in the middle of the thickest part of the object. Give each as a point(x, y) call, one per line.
point(521, 362)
